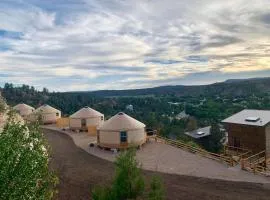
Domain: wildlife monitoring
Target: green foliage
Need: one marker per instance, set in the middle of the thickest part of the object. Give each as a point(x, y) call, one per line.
point(192, 124)
point(128, 182)
point(24, 171)
point(2, 105)
point(156, 189)
point(193, 144)
point(214, 142)
point(103, 193)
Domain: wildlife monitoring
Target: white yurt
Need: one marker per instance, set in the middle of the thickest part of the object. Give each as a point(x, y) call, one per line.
point(86, 119)
point(48, 114)
point(121, 131)
point(23, 109)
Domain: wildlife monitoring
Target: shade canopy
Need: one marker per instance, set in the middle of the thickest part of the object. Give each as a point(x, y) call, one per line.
point(121, 122)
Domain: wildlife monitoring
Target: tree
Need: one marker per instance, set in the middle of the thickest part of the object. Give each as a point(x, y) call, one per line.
point(157, 190)
point(24, 157)
point(128, 182)
point(214, 143)
point(192, 124)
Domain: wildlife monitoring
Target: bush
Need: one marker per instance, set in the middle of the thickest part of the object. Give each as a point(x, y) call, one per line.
point(24, 171)
point(157, 190)
point(128, 182)
point(2, 105)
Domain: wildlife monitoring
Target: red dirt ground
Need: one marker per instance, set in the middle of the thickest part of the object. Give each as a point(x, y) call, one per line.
point(79, 172)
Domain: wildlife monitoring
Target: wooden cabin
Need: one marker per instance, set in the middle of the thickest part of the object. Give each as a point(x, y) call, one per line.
point(249, 129)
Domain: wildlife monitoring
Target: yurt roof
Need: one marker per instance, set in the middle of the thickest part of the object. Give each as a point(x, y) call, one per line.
point(121, 122)
point(23, 106)
point(86, 112)
point(47, 109)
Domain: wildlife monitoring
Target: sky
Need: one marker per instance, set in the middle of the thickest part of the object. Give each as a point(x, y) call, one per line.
point(79, 45)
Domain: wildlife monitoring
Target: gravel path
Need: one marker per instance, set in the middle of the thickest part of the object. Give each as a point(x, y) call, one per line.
point(79, 172)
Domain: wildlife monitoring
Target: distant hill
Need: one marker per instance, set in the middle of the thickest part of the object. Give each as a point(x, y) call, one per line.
point(231, 87)
point(242, 80)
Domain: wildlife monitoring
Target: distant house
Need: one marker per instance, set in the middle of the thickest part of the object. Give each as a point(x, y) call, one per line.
point(182, 115)
point(129, 107)
point(249, 129)
point(199, 133)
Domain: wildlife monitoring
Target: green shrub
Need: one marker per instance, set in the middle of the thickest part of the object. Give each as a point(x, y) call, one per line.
point(157, 190)
point(24, 157)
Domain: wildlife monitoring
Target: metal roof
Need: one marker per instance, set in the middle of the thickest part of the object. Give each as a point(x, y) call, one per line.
point(199, 133)
point(243, 116)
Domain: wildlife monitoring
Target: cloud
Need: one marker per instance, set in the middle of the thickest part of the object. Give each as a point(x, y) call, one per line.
point(100, 44)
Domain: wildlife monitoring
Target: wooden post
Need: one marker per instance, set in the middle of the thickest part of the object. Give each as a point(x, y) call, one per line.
point(242, 164)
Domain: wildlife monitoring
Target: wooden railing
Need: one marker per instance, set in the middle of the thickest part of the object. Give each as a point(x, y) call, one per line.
point(255, 163)
point(237, 151)
point(196, 150)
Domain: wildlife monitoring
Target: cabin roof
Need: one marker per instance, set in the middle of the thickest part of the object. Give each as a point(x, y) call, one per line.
point(250, 117)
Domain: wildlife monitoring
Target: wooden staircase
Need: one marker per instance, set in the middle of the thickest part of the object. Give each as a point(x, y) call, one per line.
point(256, 163)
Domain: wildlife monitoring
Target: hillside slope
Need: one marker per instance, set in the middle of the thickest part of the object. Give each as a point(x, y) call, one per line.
point(242, 87)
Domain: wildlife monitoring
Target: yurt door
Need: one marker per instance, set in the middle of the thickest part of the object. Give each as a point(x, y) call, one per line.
point(83, 123)
point(123, 138)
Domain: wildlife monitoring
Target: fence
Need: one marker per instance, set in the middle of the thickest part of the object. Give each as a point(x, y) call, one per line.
point(238, 152)
point(62, 122)
point(218, 157)
point(255, 163)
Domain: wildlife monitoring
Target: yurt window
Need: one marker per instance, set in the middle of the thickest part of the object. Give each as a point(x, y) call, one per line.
point(123, 136)
point(57, 114)
point(102, 118)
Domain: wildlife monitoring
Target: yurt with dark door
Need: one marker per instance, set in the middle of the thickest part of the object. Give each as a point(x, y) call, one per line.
point(86, 119)
point(121, 131)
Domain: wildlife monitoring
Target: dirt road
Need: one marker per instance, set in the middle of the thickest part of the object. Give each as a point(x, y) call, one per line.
point(79, 172)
